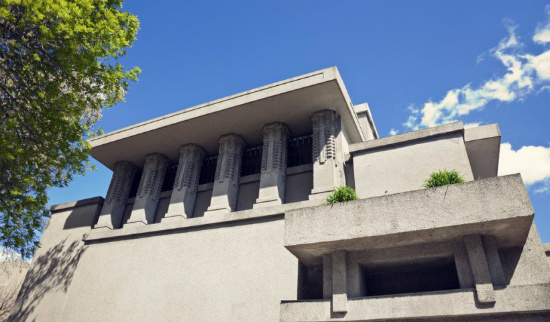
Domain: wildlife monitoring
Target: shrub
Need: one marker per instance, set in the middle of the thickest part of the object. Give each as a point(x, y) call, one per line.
point(342, 194)
point(441, 178)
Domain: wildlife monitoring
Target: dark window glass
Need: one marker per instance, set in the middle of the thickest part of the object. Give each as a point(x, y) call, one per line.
point(135, 185)
point(252, 161)
point(412, 278)
point(299, 150)
point(208, 170)
point(169, 178)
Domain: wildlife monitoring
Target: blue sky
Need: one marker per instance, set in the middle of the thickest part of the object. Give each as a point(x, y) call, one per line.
point(416, 63)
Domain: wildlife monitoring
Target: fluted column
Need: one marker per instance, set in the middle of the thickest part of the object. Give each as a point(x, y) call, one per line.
point(328, 158)
point(273, 175)
point(226, 181)
point(184, 192)
point(117, 195)
point(150, 185)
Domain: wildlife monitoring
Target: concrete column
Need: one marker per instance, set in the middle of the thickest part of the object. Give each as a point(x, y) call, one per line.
point(184, 192)
point(478, 262)
point(117, 195)
point(327, 276)
point(273, 176)
point(339, 282)
point(356, 282)
point(493, 260)
point(328, 163)
point(226, 181)
point(462, 263)
point(150, 185)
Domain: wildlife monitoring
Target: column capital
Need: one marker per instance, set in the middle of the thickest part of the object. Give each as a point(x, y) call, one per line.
point(150, 186)
point(117, 195)
point(190, 161)
point(328, 159)
point(229, 158)
point(277, 126)
point(228, 168)
point(231, 137)
point(324, 115)
point(273, 169)
point(182, 201)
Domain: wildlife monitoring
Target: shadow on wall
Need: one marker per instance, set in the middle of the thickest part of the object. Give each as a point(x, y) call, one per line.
point(51, 272)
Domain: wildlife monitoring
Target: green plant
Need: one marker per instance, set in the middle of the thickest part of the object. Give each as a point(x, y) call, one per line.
point(443, 177)
point(59, 68)
point(342, 194)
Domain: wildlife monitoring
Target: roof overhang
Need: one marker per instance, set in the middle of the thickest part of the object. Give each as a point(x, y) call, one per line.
point(483, 147)
point(291, 101)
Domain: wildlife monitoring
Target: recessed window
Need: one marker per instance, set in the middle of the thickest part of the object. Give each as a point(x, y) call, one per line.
point(169, 178)
point(252, 161)
point(299, 150)
point(208, 169)
point(428, 276)
point(135, 185)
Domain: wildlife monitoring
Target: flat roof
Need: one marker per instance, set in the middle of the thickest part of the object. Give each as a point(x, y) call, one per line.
point(291, 101)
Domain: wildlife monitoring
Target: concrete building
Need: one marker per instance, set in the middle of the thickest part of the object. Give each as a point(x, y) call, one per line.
point(216, 213)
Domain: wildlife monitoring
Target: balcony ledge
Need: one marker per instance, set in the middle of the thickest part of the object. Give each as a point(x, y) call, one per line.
point(438, 306)
point(496, 206)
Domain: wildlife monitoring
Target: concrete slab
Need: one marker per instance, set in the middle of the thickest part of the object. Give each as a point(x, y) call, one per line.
point(290, 101)
point(455, 305)
point(483, 147)
point(497, 206)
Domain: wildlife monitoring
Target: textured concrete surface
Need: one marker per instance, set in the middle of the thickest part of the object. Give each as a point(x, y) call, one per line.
point(219, 273)
point(365, 121)
point(273, 167)
point(497, 206)
point(483, 147)
point(222, 268)
point(148, 194)
point(198, 222)
point(45, 290)
point(459, 305)
point(328, 155)
point(547, 251)
point(184, 192)
point(408, 137)
point(380, 167)
point(12, 274)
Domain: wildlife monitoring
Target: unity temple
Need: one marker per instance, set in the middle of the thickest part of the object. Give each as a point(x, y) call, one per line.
point(218, 213)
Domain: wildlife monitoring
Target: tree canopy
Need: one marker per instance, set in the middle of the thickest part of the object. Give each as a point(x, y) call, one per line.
point(58, 69)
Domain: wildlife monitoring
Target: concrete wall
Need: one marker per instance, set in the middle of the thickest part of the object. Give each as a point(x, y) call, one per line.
point(12, 274)
point(202, 201)
point(405, 167)
point(298, 185)
point(526, 264)
point(248, 193)
point(45, 290)
point(225, 272)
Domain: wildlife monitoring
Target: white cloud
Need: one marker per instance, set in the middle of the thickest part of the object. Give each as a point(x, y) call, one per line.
point(533, 162)
point(525, 73)
point(393, 132)
point(469, 125)
point(542, 33)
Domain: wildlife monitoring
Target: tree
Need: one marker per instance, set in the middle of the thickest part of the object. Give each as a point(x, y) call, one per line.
point(58, 69)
